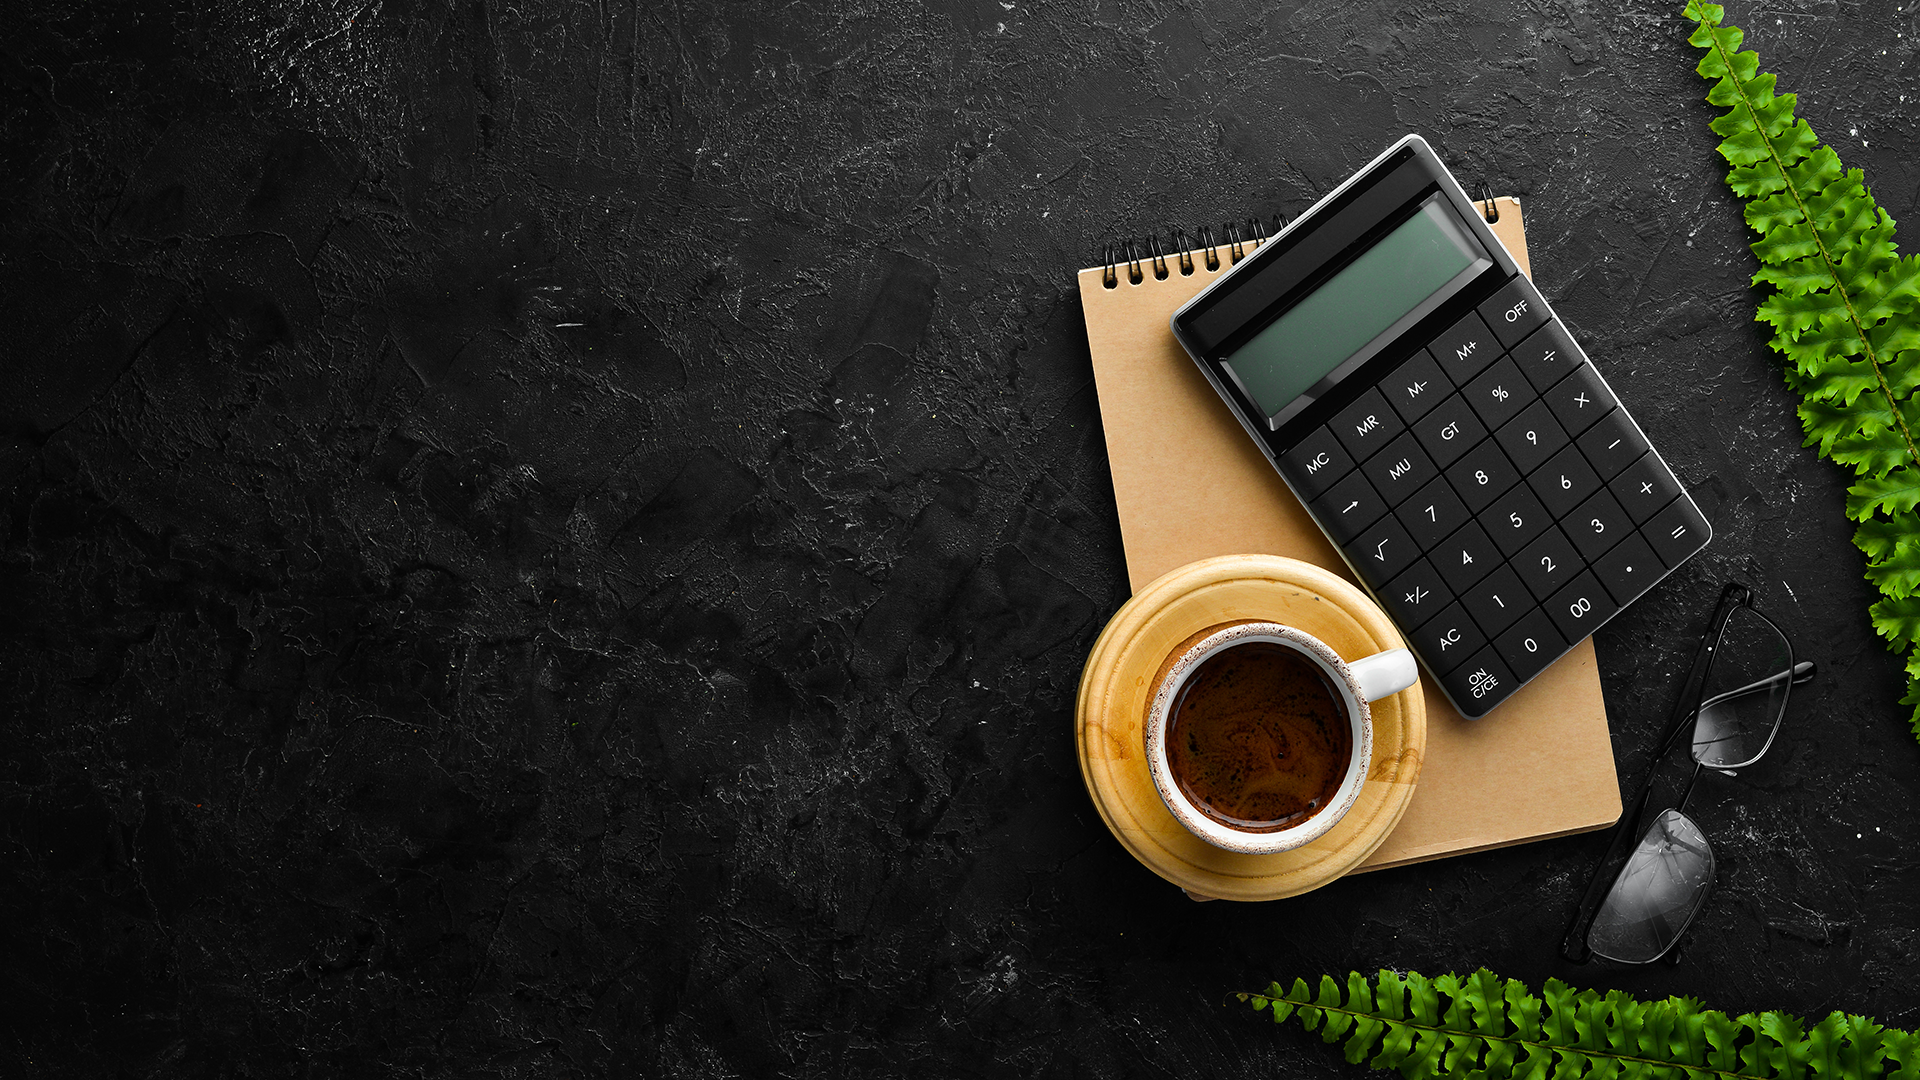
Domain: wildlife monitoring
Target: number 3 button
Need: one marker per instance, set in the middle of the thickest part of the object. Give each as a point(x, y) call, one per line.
point(1580, 608)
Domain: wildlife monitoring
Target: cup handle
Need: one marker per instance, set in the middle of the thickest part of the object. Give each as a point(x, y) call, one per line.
point(1385, 673)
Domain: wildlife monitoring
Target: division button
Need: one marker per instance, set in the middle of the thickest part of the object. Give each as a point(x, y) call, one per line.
point(1499, 393)
point(1613, 444)
point(1416, 386)
point(1514, 311)
point(1465, 349)
point(1366, 425)
point(1497, 601)
point(1645, 487)
point(1479, 684)
point(1465, 557)
point(1382, 552)
point(1628, 570)
point(1597, 525)
point(1579, 400)
point(1514, 519)
point(1483, 475)
point(1432, 514)
point(1315, 463)
point(1447, 639)
point(1580, 608)
point(1677, 532)
point(1400, 469)
point(1530, 644)
point(1547, 356)
point(1449, 431)
point(1547, 564)
point(1532, 437)
point(1416, 595)
point(1349, 507)
point(1565, 482)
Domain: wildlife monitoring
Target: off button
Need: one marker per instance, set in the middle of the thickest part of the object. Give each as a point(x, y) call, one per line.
point(1514, 312)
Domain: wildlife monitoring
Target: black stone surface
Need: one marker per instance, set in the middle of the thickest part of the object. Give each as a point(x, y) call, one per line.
point(552, 540)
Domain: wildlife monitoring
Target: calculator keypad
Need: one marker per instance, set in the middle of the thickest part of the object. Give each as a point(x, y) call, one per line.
point(1496, 498)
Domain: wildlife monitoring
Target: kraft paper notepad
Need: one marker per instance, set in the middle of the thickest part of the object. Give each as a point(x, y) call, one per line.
point(1190, 484)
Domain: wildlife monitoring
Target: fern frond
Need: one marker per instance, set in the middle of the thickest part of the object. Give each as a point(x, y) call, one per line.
point(1844, 306)
point(1484, 1027)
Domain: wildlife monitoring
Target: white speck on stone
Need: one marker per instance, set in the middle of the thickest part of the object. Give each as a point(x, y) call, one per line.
point(1853, 131)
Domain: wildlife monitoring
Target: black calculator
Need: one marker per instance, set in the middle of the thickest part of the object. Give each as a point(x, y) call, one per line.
point(1443, 428)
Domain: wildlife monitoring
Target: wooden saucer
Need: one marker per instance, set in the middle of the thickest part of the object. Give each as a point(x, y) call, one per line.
point(1118, 684)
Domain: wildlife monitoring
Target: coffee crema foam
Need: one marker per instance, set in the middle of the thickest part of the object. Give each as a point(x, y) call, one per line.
point(1259, 739)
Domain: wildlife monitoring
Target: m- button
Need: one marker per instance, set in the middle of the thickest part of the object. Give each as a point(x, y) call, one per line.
point(1514, 311)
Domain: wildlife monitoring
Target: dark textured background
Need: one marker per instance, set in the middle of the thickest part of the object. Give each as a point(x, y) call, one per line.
point(549, 540)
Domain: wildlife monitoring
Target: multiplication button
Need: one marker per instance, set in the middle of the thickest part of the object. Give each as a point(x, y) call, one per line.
point(1514, 311)
point(1315, 463)
point(1349, 507)
point(1479, 684)
point(1447, 639)
point(1449, 431)
point(1416, 386)
point(1580, 400)
point(1578, 609)
point(1366, 425)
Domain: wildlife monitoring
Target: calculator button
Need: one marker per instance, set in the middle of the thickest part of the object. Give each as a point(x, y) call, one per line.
point(1497, 601)
point(1382, 552)
point(1645, 488)
point(1349, 507)
point(1465, 557)
point(1433, 513)
point(1597, 525)
point(1532, 437)
point(1315, 463)
point(1628, 570)
point(1416, 387)
point(1514, 519)
point(1499, 393)
point(1677, 532)
point(1401, 468)
point(1530, 644)
point(1449, 431)
point(1580, 399)
point(1416, 595)
point(1479, 684)
point(1465, 349)
point(1613, 444)
point(1565, 482)
point(1447, 639)
point(1547, 564)
point(1514, 311)
point(1547, 356)
point(1366, 425)
point(1483, 475)
point(1580, 608)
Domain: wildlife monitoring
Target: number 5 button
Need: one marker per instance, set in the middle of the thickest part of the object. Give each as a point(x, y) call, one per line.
point(1580, 608)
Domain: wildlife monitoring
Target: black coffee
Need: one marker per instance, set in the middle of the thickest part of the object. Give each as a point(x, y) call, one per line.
point(1259, 739)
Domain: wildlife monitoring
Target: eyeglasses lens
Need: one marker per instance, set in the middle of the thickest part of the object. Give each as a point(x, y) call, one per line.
point(1745, 693)
point(1656, 894)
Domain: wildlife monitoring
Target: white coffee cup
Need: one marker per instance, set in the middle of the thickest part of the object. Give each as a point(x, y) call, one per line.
point(1356, 684)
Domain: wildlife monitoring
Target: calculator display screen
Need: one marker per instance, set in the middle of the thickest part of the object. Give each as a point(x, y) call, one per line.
point(1356, 305)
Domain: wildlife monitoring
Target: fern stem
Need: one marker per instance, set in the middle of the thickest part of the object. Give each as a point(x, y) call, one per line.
point(1826, 256)
point(1547, 1046)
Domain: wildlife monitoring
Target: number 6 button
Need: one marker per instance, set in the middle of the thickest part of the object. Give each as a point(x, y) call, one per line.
point(1580, 608)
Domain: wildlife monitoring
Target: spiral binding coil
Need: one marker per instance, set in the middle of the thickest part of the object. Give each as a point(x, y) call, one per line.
point(1237, 237)
point(1484, 196)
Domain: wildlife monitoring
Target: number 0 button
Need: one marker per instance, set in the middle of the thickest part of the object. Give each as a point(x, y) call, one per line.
point(1580, 608)
point(1530, 645)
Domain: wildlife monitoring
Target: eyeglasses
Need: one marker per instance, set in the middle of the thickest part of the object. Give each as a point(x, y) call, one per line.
point(1735, 695)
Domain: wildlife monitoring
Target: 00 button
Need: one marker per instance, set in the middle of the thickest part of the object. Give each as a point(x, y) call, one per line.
point(1580, 607)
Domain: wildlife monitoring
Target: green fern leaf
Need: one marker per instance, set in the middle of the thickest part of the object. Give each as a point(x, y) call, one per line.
point(1478, 1027)
point(1844, 306)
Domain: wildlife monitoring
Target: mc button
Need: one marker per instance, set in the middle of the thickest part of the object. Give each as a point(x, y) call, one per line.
point(1315, 463)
